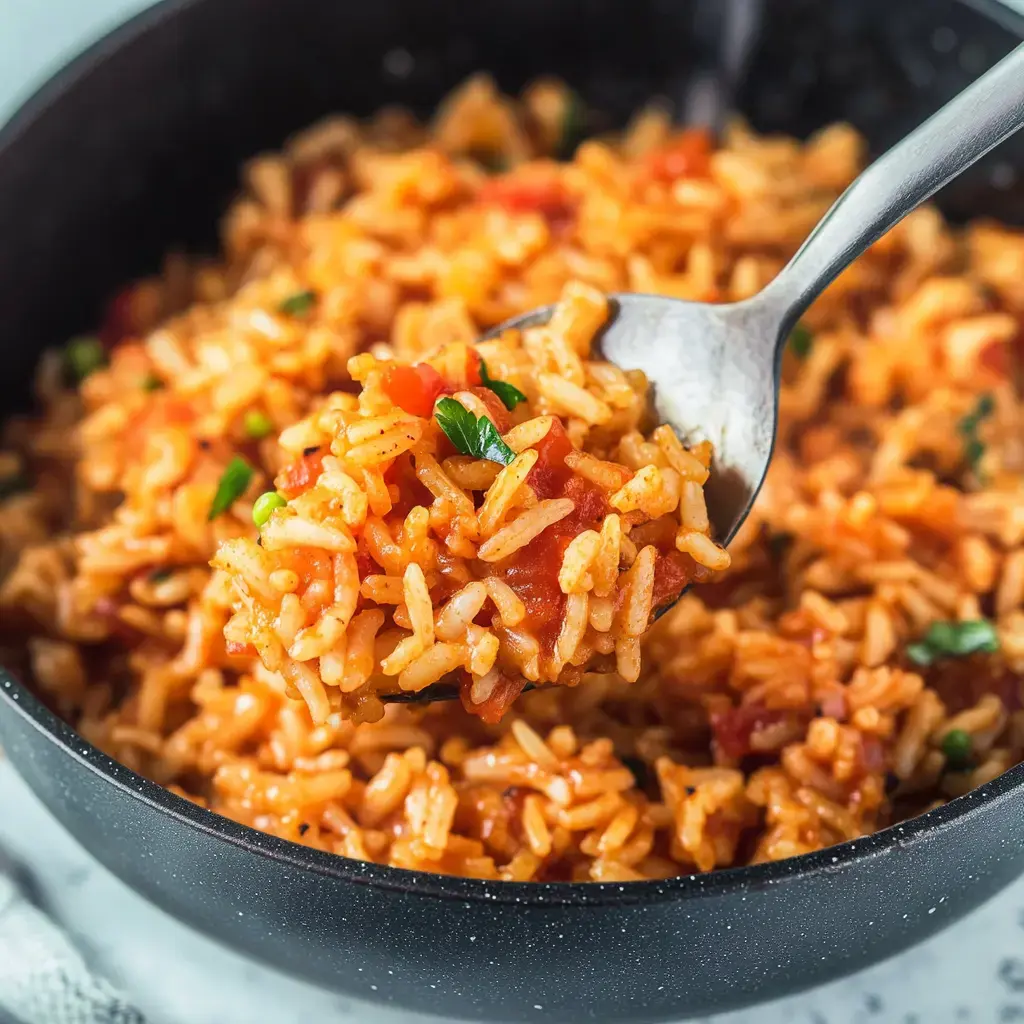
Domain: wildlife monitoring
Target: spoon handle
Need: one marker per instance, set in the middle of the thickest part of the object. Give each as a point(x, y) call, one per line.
point(965, 129)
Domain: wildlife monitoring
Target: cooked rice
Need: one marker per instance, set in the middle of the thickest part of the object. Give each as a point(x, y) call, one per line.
point(777, 709)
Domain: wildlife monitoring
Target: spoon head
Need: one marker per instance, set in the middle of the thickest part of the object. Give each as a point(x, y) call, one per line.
point(713, 372)
point(714, 376)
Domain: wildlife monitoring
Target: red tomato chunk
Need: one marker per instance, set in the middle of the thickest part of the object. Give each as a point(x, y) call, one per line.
point(301, 474)
point(415, 389)
point(688, 156)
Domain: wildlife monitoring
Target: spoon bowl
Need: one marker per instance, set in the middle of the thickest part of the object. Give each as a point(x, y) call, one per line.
point(713, 376)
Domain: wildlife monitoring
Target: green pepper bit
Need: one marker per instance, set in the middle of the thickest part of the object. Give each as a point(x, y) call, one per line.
point(232, 485)
point(257, 424)
point(958, 748)
point(83, 356)
point(265, 505)
point(298, 304)
point(800, 340)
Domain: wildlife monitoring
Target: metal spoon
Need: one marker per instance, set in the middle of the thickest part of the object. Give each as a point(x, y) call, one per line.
point(715, 368)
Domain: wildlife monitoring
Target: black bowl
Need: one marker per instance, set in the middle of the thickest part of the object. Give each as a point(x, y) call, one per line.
point(133, 149)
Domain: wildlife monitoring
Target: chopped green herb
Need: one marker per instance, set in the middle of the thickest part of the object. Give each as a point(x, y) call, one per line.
point(574, 125)
point(974, 448)
point(472, 435)
point(958, 748)
point(151, 382)
point(83, 356)
point(920, 654)
point(233, 483)
point(13, 484)
point(800, 339)
point(160, 575)
point(265, 505)
point(954, 640)
point(973, 451)
point(509, 394)
point(983, 408)
point(298, 304)
point(257, 424)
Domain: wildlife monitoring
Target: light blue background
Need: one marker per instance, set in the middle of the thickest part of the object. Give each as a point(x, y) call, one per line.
point(971, 974)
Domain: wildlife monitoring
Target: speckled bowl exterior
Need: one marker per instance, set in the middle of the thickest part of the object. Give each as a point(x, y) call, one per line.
point(134, 149)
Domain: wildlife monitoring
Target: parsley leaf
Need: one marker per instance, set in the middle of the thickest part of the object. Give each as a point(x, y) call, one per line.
point(233, 483)
point(574, 125)
point(954, 640)
point(83, 356)
point(967, 428)
point(800, 339)
point(472, 435)
point(983, 408)
point(298, 304)
point(509, 394)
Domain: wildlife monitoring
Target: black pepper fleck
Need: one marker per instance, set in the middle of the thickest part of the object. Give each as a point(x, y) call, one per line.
point(204, 445)
point(303, 828)
point(311, 450)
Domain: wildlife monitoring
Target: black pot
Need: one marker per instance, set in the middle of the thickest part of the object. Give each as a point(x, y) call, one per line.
point(134, 149)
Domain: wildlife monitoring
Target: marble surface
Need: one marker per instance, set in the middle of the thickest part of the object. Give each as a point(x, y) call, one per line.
point(971, 974)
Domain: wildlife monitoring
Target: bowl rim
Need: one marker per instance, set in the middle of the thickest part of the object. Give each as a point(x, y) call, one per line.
point(20, 701)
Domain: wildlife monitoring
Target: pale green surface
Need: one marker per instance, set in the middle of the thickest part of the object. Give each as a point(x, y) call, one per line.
point(38, 36)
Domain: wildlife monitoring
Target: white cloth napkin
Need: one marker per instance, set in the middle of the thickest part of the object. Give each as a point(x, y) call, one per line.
point(43, 978)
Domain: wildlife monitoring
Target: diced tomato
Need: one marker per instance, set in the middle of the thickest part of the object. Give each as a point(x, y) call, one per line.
point(672, 572)
point(533, 571)
point(313, 567)
point(474, 378)
point(687, 156)
point(502, 697)
point(548, 476)
point(164, 409)
point(496, 410)
point(732, 729)
point(300, 475)
point(311, 564)
point(532, 193)
point(239, 650)
point(872, 754)
point(177, 411)
point(962, 682)
point(416, 388)
point(402, 474)
point(591, 506)
point(660, 532)
point(117, 320)
point(833, 705)
point(1003, 358)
